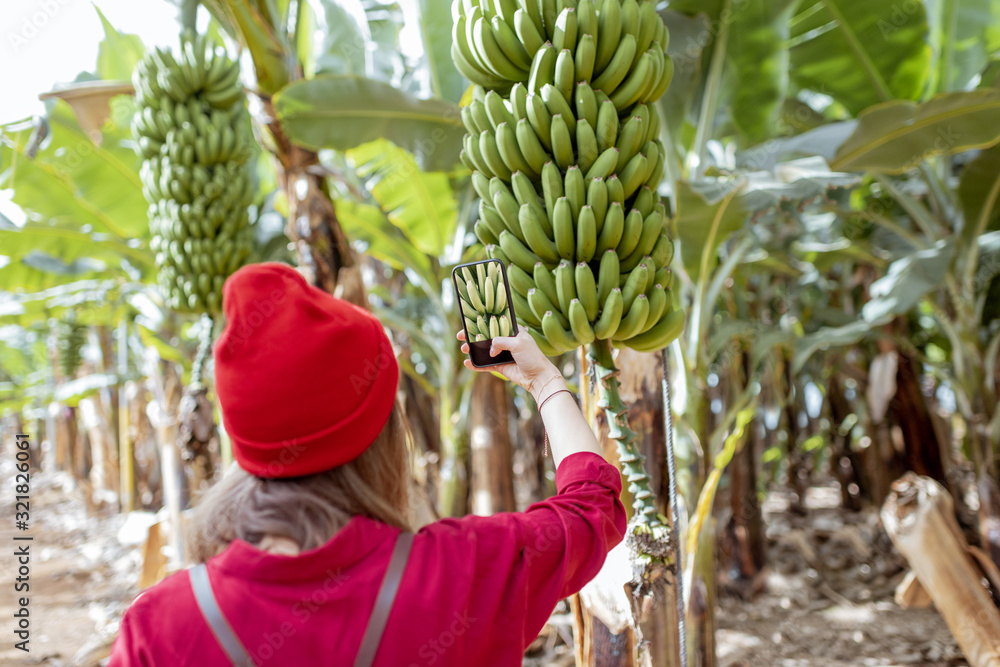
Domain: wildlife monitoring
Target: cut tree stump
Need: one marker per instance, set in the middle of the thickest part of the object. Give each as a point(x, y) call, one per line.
point(919, 517)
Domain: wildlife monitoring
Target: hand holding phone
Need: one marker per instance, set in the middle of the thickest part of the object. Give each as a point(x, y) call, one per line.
point(487, 312)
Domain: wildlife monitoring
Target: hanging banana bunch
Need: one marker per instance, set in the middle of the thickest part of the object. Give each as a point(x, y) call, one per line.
point(193, 130)
point(70, 339)
point(563, 145)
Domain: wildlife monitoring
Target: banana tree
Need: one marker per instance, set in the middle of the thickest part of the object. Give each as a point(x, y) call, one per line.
point(312, 62)
point(947, 267)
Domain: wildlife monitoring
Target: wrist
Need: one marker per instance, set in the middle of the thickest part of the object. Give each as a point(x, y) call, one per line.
point(547, 387)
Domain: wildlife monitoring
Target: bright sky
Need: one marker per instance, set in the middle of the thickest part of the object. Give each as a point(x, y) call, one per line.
point(43, 42)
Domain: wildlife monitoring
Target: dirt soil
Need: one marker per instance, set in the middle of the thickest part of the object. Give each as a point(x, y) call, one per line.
point(826, 599)
point(82, 579)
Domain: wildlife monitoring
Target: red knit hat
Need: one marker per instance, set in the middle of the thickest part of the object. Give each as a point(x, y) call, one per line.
point(306, 381)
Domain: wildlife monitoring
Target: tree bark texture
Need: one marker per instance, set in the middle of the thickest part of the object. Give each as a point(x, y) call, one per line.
point(919, 518)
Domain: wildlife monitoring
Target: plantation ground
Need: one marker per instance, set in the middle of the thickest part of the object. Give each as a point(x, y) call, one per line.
point(827, 600)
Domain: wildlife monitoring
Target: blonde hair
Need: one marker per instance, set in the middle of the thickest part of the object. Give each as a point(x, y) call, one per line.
point(307, 510)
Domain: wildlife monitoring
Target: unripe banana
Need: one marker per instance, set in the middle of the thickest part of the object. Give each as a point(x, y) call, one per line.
point(523, 311)
point(540, 120)
point(534, 234)
point(557, 104)
point(597, 199)
point(635, 284)
point(516, 252)
point(543, 68)
point(586, 290)
point(519, 101)
point(497, 111)
point(545, 281)
point(618, 68)
point(510, 45)
point(580, 323)
point(586, 235)
point(520, 279)
point(585, 57)
point(604, 165)
point(631, 235)
point(563, 228)
point(565, 285)
point(608, 272)
point(527, 32)
point(586, 103)
point(540, 305)
point(661, 334)
point(612, 230)
point(565, 74)
point(586, 145)
point(562, 143)
point(552, 187)
point(609, 31)
point(611, 315)
point(554, 332)
point(530, 146)
point(657, 304)
point(510, 152)
point(634, 319)
point(565, 33)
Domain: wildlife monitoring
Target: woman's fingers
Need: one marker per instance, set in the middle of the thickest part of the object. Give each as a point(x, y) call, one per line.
point(461, 334)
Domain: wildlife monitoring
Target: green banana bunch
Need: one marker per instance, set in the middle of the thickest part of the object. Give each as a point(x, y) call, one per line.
point(484, 297)
point(70, 338)
point(619, 47)
point(565, 156)
point(192, 129)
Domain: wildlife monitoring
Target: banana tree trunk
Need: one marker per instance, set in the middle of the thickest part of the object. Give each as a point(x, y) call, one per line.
point(492, 484)
point(701, 608)
point(322, 248)
point(620, 644)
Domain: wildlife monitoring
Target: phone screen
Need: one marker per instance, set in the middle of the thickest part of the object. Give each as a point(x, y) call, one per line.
point(487, 312)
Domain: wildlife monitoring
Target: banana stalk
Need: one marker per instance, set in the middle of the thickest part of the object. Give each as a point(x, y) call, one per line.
point(631, 459)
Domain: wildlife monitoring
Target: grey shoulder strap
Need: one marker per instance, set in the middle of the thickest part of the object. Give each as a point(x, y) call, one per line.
point(238, 655)
point(216, 621)
point(383, 603)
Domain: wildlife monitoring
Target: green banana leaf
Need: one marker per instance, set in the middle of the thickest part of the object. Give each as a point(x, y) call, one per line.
point(341, 33)
point(685, 49)
point(95, 299)
point(964, 34)
point(421, 204)
point(894, 136)
point(343, 112)
point(706, 218)
point(117, 54)
point(906, 282)
point(435, 29)
point(74, 182)
point(71, 244)
point(861, 52)
point(979, 193)
point(368, 224)
point(256, 25)
point(757, 59)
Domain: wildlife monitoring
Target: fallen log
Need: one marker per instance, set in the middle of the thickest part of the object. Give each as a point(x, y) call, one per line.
point(919, 517)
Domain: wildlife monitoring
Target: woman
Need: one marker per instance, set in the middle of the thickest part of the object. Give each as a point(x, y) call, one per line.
point(307, 551)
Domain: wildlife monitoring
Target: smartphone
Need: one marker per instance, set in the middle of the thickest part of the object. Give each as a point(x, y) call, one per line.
point(483, 295)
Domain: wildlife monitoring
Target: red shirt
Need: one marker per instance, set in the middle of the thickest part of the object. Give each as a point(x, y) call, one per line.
point(476, 590)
